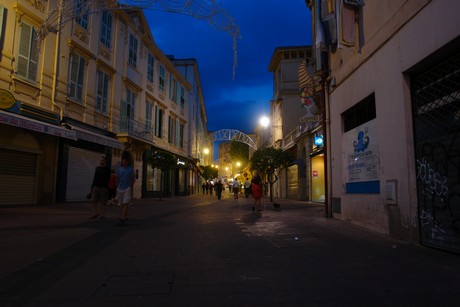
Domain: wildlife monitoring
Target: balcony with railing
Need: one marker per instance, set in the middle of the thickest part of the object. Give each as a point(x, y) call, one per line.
point(290, 139)
point(135, 129)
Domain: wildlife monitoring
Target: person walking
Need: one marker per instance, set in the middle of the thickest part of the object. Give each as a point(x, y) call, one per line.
point(211, 187)
point(247, 185)
point(256, 186)
point(112, 186)
point(126, 178)
point(99, 191)
point(218, 187)
point(236, 189)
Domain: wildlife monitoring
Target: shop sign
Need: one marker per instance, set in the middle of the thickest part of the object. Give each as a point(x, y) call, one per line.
point(363, 159)
point(7, 99)
point(21, 122)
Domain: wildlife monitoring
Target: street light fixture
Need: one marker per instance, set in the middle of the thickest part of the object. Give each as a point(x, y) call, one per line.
point(206, 153)
point(264, 121)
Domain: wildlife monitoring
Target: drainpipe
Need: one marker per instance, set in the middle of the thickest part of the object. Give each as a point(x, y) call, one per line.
point(56, 62)
point(325, 80)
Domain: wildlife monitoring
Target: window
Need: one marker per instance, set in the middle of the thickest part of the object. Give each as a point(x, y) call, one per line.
point(159, 113)
point(132, 58)
point(148, 115)
point(171, 130)
point(150, 66)
point(359, 114)
point(161, 83)
point(27, 54)
point(177, 132)
point(181, 135)
point(131, 102)
point(182, 97)
point(173, 90)
point(102, 91)
point(2, 17)
point(77, 66)
point(106, 29)
point(81, 13)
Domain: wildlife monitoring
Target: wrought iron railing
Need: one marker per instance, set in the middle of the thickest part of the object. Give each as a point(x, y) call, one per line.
point(135, 128)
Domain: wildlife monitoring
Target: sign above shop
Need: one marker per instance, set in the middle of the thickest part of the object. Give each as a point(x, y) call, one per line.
point(319, 140)
point(7, 99)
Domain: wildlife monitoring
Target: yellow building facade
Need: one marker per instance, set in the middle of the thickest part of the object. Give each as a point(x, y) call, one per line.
point(95, 86)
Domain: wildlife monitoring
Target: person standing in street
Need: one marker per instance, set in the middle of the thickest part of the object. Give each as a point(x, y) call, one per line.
point(112, 187)
point(247, 185)
point(236, 189)
point(126, 178)
point(99, 189)
point(219, 186)
point(211, 187)
point(256, 184)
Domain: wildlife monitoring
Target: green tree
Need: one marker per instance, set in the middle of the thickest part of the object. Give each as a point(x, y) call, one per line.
point(164, 161)
point(209, 172)
point(239, 152)
point(269, 161)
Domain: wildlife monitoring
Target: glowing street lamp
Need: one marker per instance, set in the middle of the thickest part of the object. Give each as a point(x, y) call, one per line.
point(264, 121)
point(206, 153)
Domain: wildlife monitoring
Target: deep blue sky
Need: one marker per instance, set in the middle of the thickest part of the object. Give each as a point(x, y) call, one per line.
point(264, 25)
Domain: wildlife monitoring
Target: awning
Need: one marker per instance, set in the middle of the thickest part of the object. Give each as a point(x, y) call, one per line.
point(94, 137)
point(305, 79)
point(35, 125)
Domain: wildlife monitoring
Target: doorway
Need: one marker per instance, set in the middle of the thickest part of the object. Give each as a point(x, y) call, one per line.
point(317, 178)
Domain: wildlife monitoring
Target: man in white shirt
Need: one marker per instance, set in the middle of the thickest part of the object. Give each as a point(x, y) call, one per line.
point(236, 189)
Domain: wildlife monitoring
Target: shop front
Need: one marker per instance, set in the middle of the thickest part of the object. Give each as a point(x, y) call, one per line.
point(79, 158)
point(28, 142)
point(179, 180)
point(317, 170)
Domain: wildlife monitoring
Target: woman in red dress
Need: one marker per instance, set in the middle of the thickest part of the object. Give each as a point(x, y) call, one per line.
point(256, 189)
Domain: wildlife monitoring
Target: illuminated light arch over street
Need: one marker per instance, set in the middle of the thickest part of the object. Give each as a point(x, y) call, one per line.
point(232, 135)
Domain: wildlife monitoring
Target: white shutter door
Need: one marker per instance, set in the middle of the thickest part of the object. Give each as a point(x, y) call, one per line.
point(80, 172)
point(23, 51)
point(17, 176)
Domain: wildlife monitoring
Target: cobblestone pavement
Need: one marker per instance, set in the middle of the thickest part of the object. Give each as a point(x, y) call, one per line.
point(198, 251)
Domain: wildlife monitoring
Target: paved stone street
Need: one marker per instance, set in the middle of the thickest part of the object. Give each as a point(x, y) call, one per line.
point(198, 251)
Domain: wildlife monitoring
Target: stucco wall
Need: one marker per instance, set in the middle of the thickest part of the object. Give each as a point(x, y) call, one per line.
point(383, 74)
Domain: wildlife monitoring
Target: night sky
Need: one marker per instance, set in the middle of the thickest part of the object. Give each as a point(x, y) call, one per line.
point(234, 102)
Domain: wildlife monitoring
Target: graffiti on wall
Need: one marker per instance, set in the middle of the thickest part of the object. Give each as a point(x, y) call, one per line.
point(438, 185)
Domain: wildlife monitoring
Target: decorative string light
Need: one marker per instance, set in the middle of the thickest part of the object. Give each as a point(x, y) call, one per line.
point(208, 10)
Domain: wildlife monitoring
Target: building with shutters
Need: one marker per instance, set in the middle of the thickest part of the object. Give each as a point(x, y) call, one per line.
point(197, 119)
point(97, 87)
point(392, 87)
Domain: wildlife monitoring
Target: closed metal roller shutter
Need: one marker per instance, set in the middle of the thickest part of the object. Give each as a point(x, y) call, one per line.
point(80, 172)
point(17, 176)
